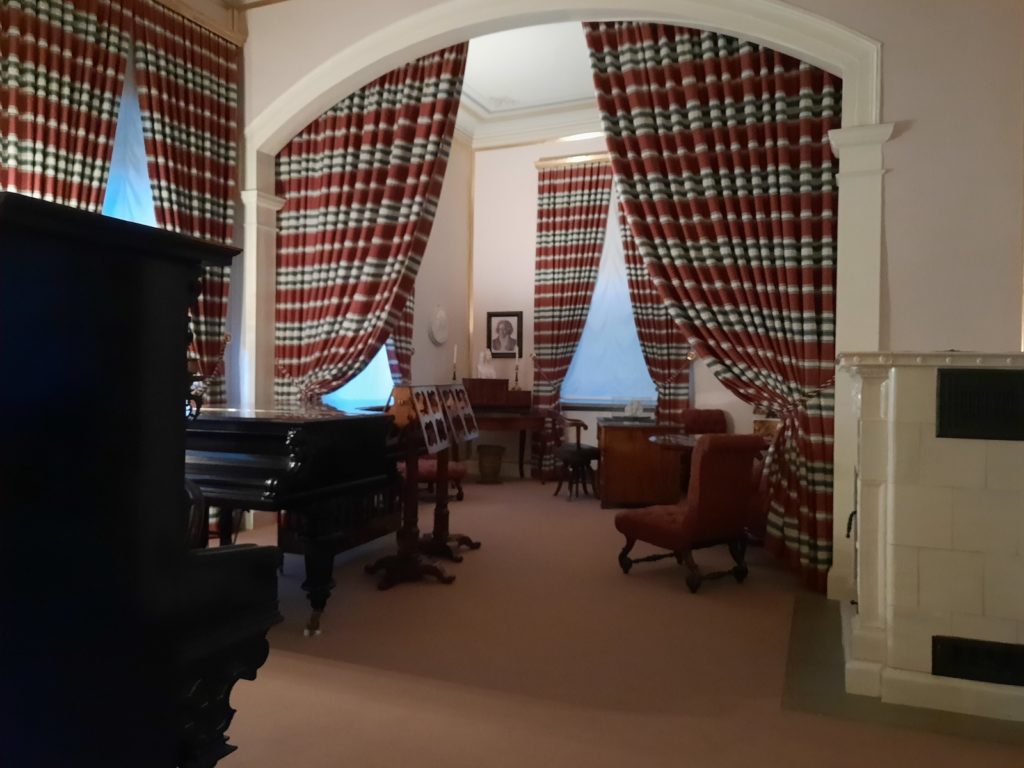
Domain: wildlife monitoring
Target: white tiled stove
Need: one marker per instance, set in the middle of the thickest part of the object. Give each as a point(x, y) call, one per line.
point(940, 538)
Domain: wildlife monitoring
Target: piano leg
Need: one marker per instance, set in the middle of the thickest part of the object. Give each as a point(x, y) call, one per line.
point(318, 584)
point(407, 565)
point(439, 542)
point(319, 561)
point(225, 525)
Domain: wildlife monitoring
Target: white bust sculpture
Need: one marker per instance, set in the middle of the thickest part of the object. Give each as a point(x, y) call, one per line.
point(485, 366)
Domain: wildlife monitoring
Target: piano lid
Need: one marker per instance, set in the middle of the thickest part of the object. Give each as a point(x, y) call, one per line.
point(297, 415)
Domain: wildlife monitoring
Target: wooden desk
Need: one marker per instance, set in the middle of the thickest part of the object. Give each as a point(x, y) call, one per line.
point(501, 409)
point(635, 472)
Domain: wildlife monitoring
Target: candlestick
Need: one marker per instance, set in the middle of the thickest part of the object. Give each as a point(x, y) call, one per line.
point(455, 355)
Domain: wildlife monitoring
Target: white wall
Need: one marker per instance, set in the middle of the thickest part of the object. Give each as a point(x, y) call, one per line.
point(952, 76)
point(952, 80)
point(443, 279)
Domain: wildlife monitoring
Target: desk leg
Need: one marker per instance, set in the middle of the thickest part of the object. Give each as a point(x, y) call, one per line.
point(522, 452)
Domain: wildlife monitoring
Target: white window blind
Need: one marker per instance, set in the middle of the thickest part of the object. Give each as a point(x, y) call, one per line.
point(608, 367)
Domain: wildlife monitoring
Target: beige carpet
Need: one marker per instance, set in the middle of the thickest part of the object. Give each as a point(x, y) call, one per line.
point(542, 653)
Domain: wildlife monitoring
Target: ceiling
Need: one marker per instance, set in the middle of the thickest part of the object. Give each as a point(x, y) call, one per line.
point(528, 84)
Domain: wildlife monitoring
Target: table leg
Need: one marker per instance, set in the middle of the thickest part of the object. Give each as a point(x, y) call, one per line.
point(522, 452)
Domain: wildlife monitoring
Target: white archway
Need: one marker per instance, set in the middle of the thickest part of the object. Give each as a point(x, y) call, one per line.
point(812, 38)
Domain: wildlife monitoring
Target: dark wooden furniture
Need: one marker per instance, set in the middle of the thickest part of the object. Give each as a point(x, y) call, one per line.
point(501, 409)
point(634, 472)
point(716, 510)
point(330, 475)
point(461, 421)
point(421, 426)
point(120, 645)
point(575, 458)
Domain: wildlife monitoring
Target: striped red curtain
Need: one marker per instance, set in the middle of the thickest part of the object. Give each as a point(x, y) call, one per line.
point(188, 93)
point(361, 185)
point(721, 157)
point(572, 210)
point(63, 70)
point(661, 339)
point(399, 345)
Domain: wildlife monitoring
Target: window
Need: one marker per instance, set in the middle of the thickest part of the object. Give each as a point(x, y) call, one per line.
point(371, 386)
point(608, 367)
point(129, 195)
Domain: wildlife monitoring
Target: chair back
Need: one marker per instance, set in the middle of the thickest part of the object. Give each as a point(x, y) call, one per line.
point(721, 484)
point(703, 421)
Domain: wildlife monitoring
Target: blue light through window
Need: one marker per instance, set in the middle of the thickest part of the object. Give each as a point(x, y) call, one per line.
point(129, 195)
point(608, 366)
point(370, 387)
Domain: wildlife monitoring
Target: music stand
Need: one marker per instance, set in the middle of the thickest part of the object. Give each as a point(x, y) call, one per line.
point(419, 416)
point(461, 426)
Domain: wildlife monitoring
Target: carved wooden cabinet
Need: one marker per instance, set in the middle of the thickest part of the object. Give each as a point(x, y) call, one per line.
point(119, 645)
point(633, 471)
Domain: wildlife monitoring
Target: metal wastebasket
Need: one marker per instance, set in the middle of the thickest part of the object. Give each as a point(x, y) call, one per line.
point(488, 459)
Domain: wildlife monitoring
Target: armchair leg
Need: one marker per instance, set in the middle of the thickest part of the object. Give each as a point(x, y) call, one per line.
point(625, 563)
point(693, 577)
point(738, 550)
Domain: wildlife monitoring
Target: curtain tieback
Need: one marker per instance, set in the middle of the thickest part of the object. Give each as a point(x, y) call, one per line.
point(800, 402)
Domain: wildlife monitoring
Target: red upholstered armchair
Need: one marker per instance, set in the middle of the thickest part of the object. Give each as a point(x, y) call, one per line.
point(716, 509)
point(700, 421)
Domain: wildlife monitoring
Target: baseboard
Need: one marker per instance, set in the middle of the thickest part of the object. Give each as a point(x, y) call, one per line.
point(918, 689)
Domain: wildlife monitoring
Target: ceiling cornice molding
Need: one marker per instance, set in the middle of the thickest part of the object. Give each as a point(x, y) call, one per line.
point(525, 126)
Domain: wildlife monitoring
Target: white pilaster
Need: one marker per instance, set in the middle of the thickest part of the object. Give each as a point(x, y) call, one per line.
point(256, 346)
point(859, 312)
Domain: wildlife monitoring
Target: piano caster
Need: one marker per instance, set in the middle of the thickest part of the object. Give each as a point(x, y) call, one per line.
point(402, 568)
point(443, 548)
point(313, 625)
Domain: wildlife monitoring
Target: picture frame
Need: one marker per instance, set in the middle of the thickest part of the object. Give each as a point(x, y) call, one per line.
point(505, 334)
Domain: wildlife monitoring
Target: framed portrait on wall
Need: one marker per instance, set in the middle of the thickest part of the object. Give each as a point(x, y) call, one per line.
point(505, 334)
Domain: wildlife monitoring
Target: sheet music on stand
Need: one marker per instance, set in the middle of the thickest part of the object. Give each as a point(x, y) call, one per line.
point(422, 403)
point(461, 418)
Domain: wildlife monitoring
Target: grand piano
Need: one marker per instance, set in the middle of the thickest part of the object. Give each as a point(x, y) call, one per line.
point(330, 475)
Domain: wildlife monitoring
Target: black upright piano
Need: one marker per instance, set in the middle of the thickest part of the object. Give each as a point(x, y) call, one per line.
point(331, 476)
point(119, 644)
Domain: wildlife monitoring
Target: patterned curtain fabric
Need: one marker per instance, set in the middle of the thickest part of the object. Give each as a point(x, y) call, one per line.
point(63, 69)
point(361, 185)
point(399, 346)
point(188, 93)
point(721, 159)
point(572, 210)
point(661, 339)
